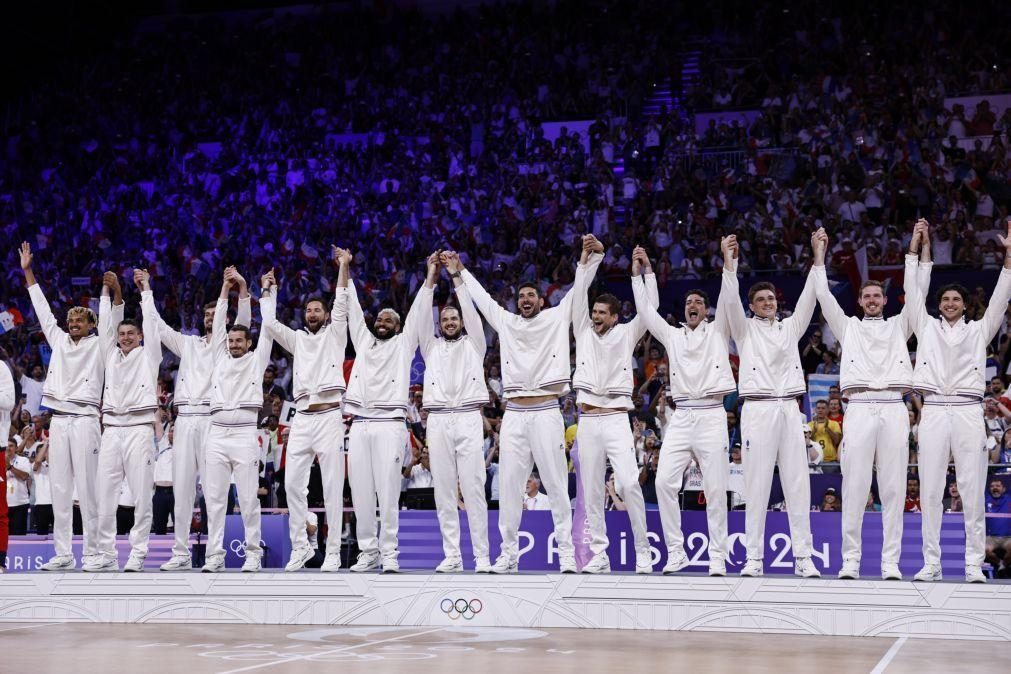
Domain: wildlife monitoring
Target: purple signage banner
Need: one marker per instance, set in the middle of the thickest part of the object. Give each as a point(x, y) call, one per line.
point(421, 544)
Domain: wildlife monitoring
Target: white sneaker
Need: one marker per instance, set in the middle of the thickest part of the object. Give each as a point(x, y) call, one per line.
point(643, 561)
point(450, 565)
point(367, 561)
point(890, 572)
point(567, 564)
point(60, 563)
point(101, 564)
point(928, 574)
point(134, 565)
point(505, 565)
point(253, 563)
point(717, 567)
point(805, 568)
point(599, 564)
point(391, 565)
point(850, 569)
point(482, 565)
point(214, 564)
point(331, 563)
point(753, 568)
point(973, 574)
point(178, 563)
point(299, 556)
point(675, 563)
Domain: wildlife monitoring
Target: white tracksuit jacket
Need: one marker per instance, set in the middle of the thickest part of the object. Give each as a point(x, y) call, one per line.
point(131, 380)
point(454, 369)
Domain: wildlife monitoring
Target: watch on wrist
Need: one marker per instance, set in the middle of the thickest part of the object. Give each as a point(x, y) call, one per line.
point(457, 274)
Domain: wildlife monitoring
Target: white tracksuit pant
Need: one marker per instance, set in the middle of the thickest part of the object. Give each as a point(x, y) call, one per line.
point(957, 430)
point(773, 434)
point(456, 453)
point(232, 450)
point(375, 462)
point(602, 437)
point(188, 457)
point(74, 442)
point(315, 434)
point(531, 435)
point(127, 453)
point(699, 431)
point(875, 435)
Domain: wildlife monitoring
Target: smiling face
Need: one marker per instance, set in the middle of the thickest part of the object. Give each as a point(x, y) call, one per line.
point(129, 337)
point(238, 343)
point(952, 305)
point(529, 302)
point(387, 324)
point(695, 310)
point(450, 323)
point(315, 316)
point(764, 305)
point(208, 319)
point(602, 318)
point(872, 300)
point(79, 323)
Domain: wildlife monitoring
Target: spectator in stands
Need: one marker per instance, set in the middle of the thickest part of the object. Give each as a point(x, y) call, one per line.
point(952, 501)
point(827, 433)
point(18, 479)
point(998, 529)
point(830, 501)
point(912, 495)
point(829, 364)
point(835, 410)
point(534, 498)
point(872, 505)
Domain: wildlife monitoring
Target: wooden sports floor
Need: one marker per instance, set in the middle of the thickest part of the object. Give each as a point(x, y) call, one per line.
point(230, 649)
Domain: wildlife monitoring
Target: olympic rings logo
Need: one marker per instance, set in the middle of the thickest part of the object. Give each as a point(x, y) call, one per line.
point(461, 608)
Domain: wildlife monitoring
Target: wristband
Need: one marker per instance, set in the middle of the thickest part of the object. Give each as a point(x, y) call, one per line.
point(456, 274)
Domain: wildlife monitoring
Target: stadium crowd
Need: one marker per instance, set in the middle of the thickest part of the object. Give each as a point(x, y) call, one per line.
point(260, 142)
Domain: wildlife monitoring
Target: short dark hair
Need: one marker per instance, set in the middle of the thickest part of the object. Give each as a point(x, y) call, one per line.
point(530, 284)
point(210, 305)
point(701, 293)
point(819, 402)
point(962, 291)
point(872, 282)
point(244, 329)
point(757, 288)
point(131, 323)
point(613, 305)
point(313, 298)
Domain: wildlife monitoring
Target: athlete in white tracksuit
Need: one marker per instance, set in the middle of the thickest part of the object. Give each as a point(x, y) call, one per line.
point(535, 374)
point(603, 381)
point(699, 378)
point(771, 381)
point(7, 401)
point(318, 427)
point(129, 406)
point(951, 374)
point(377, 397)
point(232, 450)
point(73, 391)
point(454, 392)
point(192, 399)
point(874, 374)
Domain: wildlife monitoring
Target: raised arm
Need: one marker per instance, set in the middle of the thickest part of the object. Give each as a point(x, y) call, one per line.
point(646, 312)
point(994, 315)
point(801, 318)
point(171, 339)
point(729, 310)
point(492, 311)
point(916, 282)
point(244, 313)
point(830, 309)
point(586, 270)
point(360, 335)
point(107, 320)
point(284, 335)
point(265, 343)
point(426, 294)
point(150, 318)
point(219, 336)
point(43, 311)
point(649, 291)
point(472, 322)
